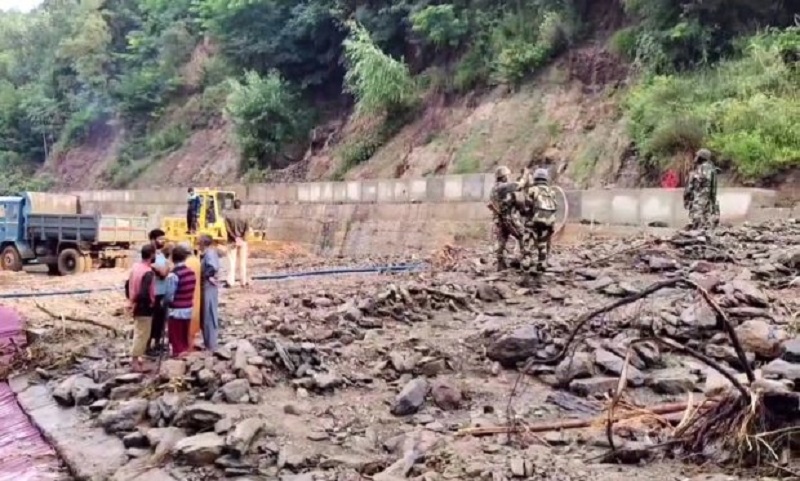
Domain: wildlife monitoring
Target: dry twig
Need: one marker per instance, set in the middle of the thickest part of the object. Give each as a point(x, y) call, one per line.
point(77, 319)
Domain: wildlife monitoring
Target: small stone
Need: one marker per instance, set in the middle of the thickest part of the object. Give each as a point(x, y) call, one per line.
point(223, 425)
point(223, 353)
point(129, 378)
point(411, 398)
point(199, 450)
point(323, 302)
point(206, 377)
point(401, 362)
point(200, 416)
point(445, 395)
point(124, 392)
point(135, 439)
point(728, 354)
point(521, 468)
point(432, 368)
point(98, 406)
point(422, 419)
point(244, 351)
point(612, 364)
point(241, 438)
point(63, 392)
point(780, 369)
point(596, 386)
point(291, 409)
point(291, 459)
point(748, 293)
point(671, 381)
point(84, 391)
point(700, 316)
point(327, 380)
point(657, 264)
point(578, 366)
point(488, 293)
point(253, 375)
point(716, 383)
point(136, 453)
point(317, 436)
point(791, 350)
point(256, 361)
point(157, 436)
point(236, 391)
point(172, 369)
point(124, 416)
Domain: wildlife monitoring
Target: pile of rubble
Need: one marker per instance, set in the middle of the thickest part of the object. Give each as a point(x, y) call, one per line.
point(398, 369)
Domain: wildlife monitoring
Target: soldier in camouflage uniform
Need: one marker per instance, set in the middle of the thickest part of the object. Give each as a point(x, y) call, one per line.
point(700, 195)
point(506, 221)
point(539, 214)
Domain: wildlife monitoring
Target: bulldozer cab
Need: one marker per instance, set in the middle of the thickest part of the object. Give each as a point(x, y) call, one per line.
point(211, 220)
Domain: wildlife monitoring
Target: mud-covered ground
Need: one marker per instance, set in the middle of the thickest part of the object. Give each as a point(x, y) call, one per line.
point(387, 377)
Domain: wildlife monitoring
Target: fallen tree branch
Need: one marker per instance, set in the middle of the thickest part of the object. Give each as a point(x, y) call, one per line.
point(81, 320)
point(660, 409)
point(722, 318)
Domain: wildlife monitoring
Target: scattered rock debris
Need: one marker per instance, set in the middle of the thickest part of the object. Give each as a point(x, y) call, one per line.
point(464, 373)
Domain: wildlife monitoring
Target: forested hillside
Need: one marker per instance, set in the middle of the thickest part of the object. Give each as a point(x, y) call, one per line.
point(99, 93)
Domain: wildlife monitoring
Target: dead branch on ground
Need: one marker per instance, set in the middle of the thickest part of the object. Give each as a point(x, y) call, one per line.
point(81, 320)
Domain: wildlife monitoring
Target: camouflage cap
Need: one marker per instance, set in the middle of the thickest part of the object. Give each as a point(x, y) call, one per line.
point(502, 172)
point(703, 154)
point(541, 174)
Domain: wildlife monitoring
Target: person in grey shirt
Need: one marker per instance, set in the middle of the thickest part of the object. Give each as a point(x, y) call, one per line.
point(209, 268)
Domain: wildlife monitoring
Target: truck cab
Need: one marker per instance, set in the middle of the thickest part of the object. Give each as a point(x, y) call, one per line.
point(12, 228)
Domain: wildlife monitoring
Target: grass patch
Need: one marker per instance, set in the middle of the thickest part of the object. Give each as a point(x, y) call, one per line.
point(467, 161)
point(141, 152)
point(746, 109)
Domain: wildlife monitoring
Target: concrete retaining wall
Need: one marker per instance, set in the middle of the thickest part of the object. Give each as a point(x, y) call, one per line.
point(386, 216)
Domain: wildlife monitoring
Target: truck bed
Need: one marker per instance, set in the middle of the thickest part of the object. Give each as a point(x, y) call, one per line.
point(87, 228)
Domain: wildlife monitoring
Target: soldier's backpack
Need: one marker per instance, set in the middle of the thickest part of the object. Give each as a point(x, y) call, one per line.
point(545, 200)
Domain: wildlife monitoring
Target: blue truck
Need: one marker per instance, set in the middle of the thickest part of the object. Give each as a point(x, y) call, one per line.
point(48, 229)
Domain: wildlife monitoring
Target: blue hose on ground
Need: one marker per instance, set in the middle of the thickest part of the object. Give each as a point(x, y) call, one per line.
point(387, 269)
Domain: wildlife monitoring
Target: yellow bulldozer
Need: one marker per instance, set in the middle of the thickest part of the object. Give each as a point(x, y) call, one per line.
point(211, 220)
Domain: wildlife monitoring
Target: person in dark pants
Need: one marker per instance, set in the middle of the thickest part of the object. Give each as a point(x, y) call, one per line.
point(161, 269)
point(179, 298)
point(192, 211)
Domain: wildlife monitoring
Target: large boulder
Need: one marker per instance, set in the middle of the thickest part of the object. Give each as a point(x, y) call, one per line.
point(762, 338)
point(516, 347)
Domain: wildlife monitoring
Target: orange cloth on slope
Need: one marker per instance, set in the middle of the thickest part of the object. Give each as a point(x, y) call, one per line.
point(193, 263)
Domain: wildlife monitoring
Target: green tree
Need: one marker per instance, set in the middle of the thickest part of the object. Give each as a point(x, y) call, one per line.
point(267, 116)
point(380, 83)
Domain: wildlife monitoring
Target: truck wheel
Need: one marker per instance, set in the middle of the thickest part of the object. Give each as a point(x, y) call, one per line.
point(70, 262)
point(88, 263)
point(11, 259)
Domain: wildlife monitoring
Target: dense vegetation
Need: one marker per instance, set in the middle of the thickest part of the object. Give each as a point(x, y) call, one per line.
point(72, 67)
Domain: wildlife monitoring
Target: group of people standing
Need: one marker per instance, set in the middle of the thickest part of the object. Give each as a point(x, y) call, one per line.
point(172, 289)
point(524, 210)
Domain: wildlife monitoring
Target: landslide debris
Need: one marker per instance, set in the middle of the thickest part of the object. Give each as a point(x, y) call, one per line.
point(409, 376)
